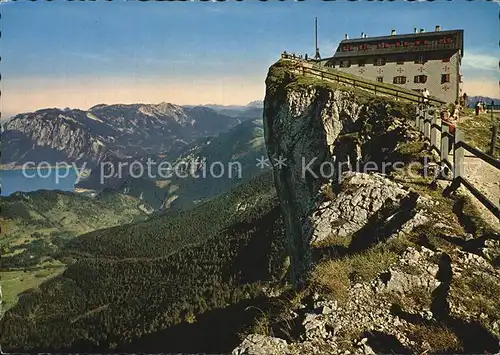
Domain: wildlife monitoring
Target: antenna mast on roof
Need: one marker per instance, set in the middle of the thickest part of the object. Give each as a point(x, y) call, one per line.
point(316, 55)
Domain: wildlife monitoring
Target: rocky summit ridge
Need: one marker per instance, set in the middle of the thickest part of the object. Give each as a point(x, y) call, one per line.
point(106, 132)
point(381, 261)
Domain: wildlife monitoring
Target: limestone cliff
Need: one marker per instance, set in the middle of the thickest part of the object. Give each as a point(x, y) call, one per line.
point(315, 128)
point(383, 258)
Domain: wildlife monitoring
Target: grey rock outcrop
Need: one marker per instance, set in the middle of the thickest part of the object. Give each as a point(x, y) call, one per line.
point(257, 344)
point(415, 270)
point(362, 195)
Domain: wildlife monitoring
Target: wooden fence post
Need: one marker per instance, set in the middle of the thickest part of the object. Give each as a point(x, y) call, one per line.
point(421, 121)
point(445, 141)
point(434, 131)
point(417, 118)
point(493, 143)
point(427, 125)
point(459, 152)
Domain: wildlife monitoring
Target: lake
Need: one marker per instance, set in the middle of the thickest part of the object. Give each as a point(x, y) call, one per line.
point(31, 180)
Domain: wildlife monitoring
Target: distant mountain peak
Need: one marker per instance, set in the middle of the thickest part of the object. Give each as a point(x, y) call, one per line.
point(107, 132)
point(256, 104)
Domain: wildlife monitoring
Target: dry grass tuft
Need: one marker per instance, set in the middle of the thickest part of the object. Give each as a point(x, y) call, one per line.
point(334, 277)
point(438, 337)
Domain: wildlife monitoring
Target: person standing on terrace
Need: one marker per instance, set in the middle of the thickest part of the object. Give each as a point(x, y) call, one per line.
point(426, 94)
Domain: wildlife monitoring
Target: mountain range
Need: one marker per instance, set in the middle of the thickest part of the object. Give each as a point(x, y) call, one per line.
point(252, 109)
point(110, 132)
point(472, 100)
point(242, 144)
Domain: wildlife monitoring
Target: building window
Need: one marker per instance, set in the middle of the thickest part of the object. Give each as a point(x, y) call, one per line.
point(361, 63)
point(345, 63)
point(400, 61)
point(446, 60)
point(445, 78)
point(420, 59)
point(399, 80)
point(379, 61)
point(380, 79)
point(420, 79)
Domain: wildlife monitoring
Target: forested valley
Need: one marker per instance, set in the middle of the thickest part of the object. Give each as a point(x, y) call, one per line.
point(197, 274)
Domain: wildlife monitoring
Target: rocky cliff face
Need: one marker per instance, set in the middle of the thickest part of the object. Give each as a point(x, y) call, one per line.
point(383, 260)
point(319, 131)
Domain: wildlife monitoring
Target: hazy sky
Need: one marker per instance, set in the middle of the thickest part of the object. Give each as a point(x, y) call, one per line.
point(78, 54)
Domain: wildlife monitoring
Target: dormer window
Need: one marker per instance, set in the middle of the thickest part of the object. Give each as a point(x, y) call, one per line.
point(379, 61)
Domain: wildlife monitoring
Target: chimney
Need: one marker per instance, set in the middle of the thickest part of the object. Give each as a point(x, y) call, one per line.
point(346, 36)
point(422, 30)
point(438, 28)
point(393, 32)
point(415, 30)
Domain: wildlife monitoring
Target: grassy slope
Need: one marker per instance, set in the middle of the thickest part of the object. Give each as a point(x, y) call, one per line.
point(243, 143)
point(34, 225)
point(477, 130)
point(62, 213)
